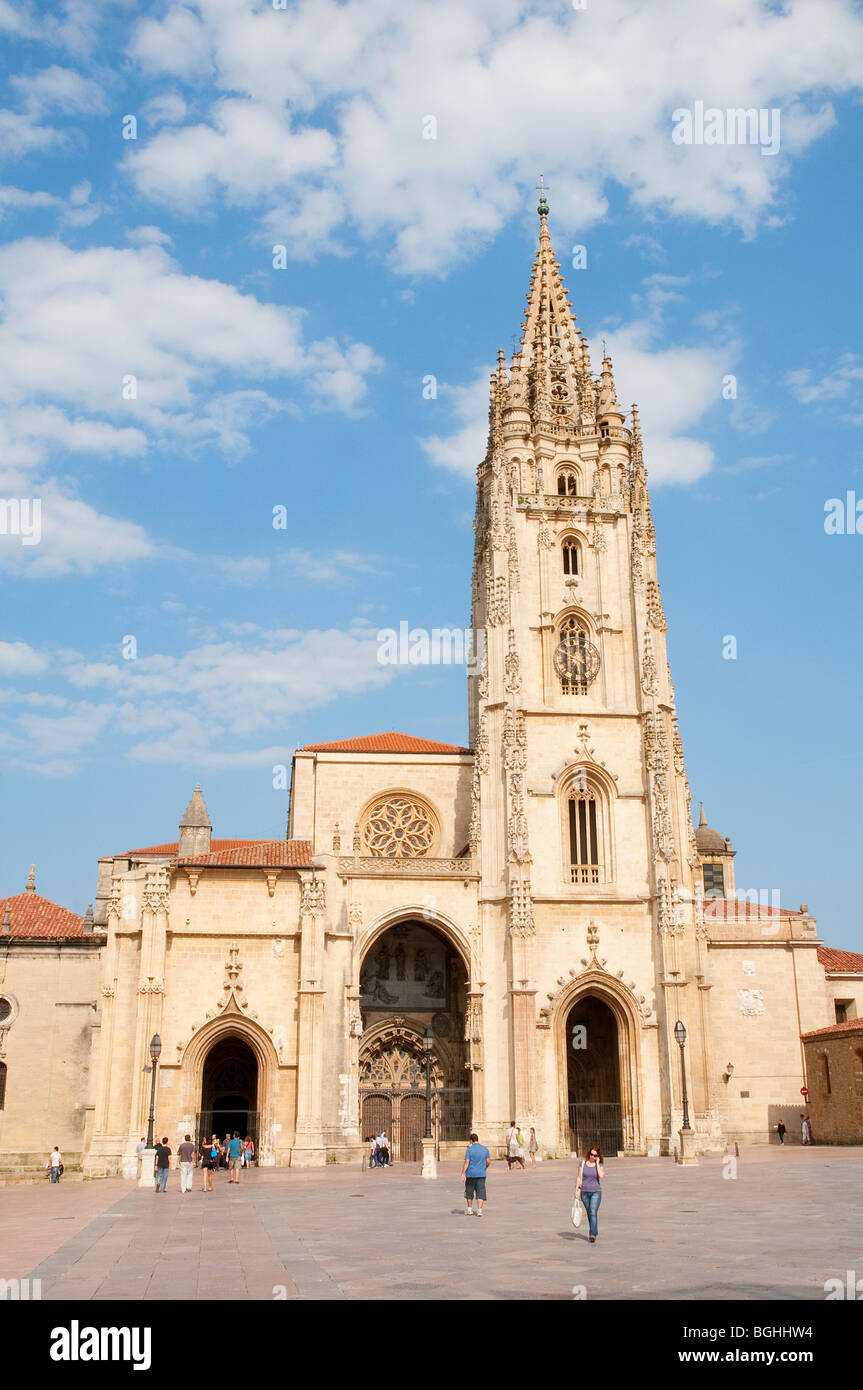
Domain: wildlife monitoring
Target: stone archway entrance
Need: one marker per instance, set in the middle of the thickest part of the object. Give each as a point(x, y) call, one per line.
point(594, 1112)
point(229, 1091)
point(413, 979)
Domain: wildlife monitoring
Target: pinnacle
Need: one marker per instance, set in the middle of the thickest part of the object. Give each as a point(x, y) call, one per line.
point(196, 815)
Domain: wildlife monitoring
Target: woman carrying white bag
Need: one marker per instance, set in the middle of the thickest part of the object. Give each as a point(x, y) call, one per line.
point(588, 1191)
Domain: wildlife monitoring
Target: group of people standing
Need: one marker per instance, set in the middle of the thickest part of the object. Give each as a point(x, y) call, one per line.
point(520, 1148)
point(379, 1150)
point(234, 1154)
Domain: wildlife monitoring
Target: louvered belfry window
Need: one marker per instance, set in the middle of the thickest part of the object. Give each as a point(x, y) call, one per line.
point(584, 857)
point(570, 557)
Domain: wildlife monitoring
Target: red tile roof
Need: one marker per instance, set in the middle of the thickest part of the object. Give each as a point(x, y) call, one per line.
point(31, 915)
point(263, 853)
point(389, 742)
point(171, 847)
point(735, 909)
point(854, 1025)
point(840, 960)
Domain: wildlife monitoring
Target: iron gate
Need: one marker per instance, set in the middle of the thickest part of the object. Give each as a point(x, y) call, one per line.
point(595, 1122)
point(402, 1114)
point(452, 1110)
point(210, 1122)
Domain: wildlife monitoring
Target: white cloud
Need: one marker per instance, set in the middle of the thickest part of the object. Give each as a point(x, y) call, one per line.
point(463, 450)
point(335, 95)
point(207, 707)
point(844, 380)
point(19, 659)
point(74, 538)
point(62, 391)
point(165, 109)
point(674, 387)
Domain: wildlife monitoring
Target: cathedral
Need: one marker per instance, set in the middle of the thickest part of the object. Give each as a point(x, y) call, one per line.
point(449, 937)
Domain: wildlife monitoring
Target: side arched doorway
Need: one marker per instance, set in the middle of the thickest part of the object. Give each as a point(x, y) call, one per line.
point(229, 1090)
point(412, 979)
point(594, 1113)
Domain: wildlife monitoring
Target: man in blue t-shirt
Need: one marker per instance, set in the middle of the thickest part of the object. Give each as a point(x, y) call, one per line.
point(476, 1161)
point(235, 1156)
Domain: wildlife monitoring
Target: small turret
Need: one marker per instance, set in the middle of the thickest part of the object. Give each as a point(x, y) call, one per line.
point(195, 828)
point(607, 407)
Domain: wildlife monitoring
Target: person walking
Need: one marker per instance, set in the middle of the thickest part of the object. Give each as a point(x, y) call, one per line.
point(473, 1173)
point(780, 1130)
point(139, 1149)
point(532, 1147)
point(384, 1150)
point(248, 1152)
point(806, 1129)
point(55, 1164)
point(588, 1186)
point(225, 1160)
point(373, 1151)
point(209, 1160)
point(511, 1141)
point(235, 1156)
point(163, 1164)
point(186, 1155)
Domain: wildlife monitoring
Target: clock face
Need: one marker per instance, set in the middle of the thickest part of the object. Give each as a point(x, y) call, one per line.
point(576, 660)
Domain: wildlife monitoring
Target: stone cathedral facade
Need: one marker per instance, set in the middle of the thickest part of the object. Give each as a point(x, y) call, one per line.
point(518, 924)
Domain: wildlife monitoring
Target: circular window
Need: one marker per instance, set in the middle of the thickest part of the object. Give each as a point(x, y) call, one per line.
point(398, 827)
point(5, 1009)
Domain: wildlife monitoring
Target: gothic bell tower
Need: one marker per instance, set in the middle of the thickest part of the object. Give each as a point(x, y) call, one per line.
point(581, 809)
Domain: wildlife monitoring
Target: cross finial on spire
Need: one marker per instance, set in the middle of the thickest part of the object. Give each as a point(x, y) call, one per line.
point(542, 208)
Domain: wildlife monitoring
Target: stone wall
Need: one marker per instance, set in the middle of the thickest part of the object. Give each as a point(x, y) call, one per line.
point(53, 986)
point(836, 1112)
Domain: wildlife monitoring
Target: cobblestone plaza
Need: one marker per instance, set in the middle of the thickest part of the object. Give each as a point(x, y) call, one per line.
point(778, 1230)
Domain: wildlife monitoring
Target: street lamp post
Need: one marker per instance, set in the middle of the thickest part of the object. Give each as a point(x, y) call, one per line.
point(687, 1138)
point(429, 1160)
point(428, 1044)
point(155, 1052)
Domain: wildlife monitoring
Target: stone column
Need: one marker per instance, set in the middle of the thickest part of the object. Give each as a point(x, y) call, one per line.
point(309, 1150)
point(149, 1008)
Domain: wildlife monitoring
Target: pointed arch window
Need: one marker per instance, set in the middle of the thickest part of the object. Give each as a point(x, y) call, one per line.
point(2, 1085)
point(567, 483)
point(570, 556)
point(586, 827)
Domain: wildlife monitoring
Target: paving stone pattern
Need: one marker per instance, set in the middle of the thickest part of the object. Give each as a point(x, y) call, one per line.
point(786, 1223)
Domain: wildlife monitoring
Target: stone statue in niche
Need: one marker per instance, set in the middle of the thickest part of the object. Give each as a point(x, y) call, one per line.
point(400, 961)
point(420, 965)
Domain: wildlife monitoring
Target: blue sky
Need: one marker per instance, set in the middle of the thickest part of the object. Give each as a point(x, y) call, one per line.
point(408, 256)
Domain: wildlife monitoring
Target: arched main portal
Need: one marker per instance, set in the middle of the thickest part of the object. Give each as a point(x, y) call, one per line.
point(593, 1076)
point(411, 979)
point(229, 1090)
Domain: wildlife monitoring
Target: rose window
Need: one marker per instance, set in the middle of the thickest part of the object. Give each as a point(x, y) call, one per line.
point(398, 828)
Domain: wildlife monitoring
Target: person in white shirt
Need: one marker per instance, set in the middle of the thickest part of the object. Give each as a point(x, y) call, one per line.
point(383, 1154)
point(514, 1146)
point(55, 1163)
